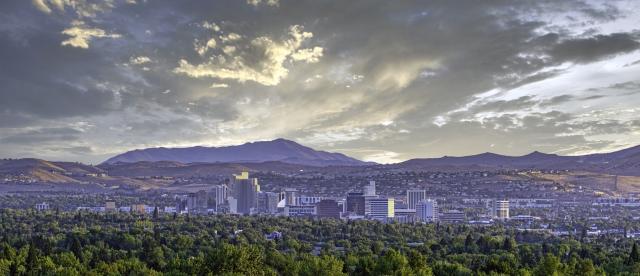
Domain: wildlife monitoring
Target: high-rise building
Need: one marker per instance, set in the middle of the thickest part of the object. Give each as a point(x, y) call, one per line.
point(380, 208)
point(415, 196)
point(356, 204)
point(217, 196)
point(370, 190)
point(202, 201)
point(290, 196)
point(267, 202)
point(427, 210)
point(192, 203)
point(501, 209)
point(328, 208)
point(245, 190)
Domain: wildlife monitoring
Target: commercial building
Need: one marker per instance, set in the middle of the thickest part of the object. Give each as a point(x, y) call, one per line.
point(355, 204)
point(403, 215)
point(245, 191)
point(380, 208)
point(110, 206)
point(289, 196)
point(452, 216)
point(415, 196)
point(218, 194)
point(139, 208)
point(370, 190)
point(300, 210)
point(308, 200)
point(502, 209)
point(427, 210)
point(328, 208)
point(267, 202)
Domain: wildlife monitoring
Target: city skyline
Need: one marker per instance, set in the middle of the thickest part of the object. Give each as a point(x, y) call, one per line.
point(378, 81)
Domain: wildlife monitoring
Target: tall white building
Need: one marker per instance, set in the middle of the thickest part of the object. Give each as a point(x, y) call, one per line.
point(427, 210)
point(219, 193)
point(370, 190)
point(414, 197)
point(380, 208)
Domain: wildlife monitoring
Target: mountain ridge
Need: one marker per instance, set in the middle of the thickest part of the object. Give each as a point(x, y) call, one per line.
point(622, 161)
point(283, 150)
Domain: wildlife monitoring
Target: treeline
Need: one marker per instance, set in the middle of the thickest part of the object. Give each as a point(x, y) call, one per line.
point(76, 243)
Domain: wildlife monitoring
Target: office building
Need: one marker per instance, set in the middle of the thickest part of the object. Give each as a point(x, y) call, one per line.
point(403, 215)
point(139, 208)
point(355, 204)
point(380, 208)
point(267, 202)
point(218, 194)
point(245, 191)
point(501, 209)
point(415, 196)
point(290, 196)
point(192, 203)
point(452, 216)
point(110, 206)
point(427, 210)
point(370, 190)
point(300, 210)
point(328, 208)
point(308, 200)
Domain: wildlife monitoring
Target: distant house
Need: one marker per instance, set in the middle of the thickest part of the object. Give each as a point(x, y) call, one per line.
point(43, 206)
point(275, 235)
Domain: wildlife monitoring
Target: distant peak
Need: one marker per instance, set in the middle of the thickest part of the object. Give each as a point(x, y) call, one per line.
point(537, 153)
point(284, 141)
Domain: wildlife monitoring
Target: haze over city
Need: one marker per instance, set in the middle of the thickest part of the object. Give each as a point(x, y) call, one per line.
point(381, 81)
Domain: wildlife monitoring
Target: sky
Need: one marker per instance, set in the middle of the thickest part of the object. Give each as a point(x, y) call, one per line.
point(378, 80)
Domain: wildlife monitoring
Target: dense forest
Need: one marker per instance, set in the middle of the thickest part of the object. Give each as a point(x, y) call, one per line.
point(77, 243)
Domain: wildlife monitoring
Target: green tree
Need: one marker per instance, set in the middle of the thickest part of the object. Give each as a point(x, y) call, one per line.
point(634, 255)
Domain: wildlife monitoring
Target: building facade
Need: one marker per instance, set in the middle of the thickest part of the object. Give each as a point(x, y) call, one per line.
point(268, 202)
point(427, 210)
point(328, 208)
point(415, 196)
point(245, 191)
point(355, 204)
point(380, 208)
point(502, 209)
point(300, 210)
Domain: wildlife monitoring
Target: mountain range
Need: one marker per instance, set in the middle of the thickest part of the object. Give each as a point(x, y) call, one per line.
point(281, 150)
point(626, 161)
point(289, 157)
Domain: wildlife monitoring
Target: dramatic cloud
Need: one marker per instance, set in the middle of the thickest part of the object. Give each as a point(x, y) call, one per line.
point(261, 60)
point(81, 35)
point(380, 80)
